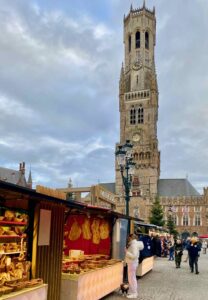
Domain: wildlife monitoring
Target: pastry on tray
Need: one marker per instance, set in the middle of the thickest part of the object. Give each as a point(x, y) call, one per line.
point(34, 282)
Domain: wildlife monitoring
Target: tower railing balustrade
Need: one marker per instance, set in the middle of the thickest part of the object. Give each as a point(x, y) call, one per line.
point(137, 95)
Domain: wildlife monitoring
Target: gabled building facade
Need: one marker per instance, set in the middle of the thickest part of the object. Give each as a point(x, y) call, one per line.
point(16, 177)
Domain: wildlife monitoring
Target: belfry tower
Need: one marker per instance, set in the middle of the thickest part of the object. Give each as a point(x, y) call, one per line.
point(138, 105)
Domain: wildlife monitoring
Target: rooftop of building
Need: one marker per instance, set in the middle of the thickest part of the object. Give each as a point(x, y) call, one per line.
point(176, 187)
point(9, 175)
point(110, 186)
point(167, 188)
point(14, 176)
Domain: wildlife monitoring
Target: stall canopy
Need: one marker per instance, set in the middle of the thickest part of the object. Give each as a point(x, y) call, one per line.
point(204, 236)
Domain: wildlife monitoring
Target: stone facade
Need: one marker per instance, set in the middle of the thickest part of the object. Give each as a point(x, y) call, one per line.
point(138, 103)
point(138, 106)
point(189, 213)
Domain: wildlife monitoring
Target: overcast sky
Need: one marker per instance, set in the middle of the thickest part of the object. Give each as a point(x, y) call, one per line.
point(59, 72)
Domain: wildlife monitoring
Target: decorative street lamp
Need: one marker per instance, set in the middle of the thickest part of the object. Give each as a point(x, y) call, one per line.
point(127, 168)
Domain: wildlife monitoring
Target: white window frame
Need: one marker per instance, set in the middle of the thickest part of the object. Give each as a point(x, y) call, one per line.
point(185, 216)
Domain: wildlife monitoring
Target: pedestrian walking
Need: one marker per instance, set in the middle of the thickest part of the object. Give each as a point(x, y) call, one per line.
point(204, 246)
point(171, 251)
point(178, 252)
point(131, 258)
point(193, 250)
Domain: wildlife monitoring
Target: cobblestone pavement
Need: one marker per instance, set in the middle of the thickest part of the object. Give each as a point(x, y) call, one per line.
point(166, 282)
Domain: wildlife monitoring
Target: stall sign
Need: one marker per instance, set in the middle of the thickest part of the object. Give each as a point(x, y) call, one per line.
point(50, 192)
point(105, 195)
point(90, 234)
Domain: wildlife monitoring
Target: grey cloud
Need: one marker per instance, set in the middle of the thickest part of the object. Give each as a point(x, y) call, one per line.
point(62, 66)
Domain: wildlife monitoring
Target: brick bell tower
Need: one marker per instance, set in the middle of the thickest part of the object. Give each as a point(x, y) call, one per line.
point(138, 106)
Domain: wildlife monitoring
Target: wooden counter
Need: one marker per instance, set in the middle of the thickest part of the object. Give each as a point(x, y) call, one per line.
point(92, 285)
point(35, 293)
point(145, 266)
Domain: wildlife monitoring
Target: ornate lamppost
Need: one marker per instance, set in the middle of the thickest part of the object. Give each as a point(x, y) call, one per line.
point(127, 167)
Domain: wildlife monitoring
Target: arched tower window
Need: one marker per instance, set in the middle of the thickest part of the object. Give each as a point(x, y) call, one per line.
point(133, 116)
point(140, 115)
point(137, 39)
point(146, 40)
point(141, 155)
point(129, 43)
point(147, 155)
point(136, 156)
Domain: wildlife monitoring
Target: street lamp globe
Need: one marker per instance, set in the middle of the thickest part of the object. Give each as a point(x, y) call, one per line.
point(120, 156)
point(131, 168)
point(127, 147)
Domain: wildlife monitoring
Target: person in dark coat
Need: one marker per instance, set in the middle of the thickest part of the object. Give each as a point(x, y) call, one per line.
point(178, 247)
point(153, 244)
point(158, 246)
point(147, 251)
point(193, 251)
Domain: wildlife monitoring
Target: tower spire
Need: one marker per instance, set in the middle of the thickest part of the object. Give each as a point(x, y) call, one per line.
point(29, 181)
point(144, 4)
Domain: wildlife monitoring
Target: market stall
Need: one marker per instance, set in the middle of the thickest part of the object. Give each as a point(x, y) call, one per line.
point(88, 271)
point(34, 224)
point(93, 284)
point(31, 243)
point(14, 263)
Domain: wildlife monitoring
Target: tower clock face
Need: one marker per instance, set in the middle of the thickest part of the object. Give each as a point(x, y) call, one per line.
point(137, 65)
point(136, 137)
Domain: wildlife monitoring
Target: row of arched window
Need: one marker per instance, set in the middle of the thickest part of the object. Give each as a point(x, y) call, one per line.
point(185, 220)
point(137, 115)
point(138, 40)
point(141, 155)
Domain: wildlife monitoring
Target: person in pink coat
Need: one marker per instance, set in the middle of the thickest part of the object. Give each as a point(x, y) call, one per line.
point(131, 258)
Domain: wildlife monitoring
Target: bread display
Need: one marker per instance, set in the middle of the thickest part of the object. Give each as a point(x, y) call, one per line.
point(9, 215)
point(104, 230)
point(95, 227)
point(87, 235)
point(86, 263)
point(14, 268)
point(75, 231)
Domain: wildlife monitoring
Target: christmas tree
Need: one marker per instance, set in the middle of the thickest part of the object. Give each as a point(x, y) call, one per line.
point(157, 217)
